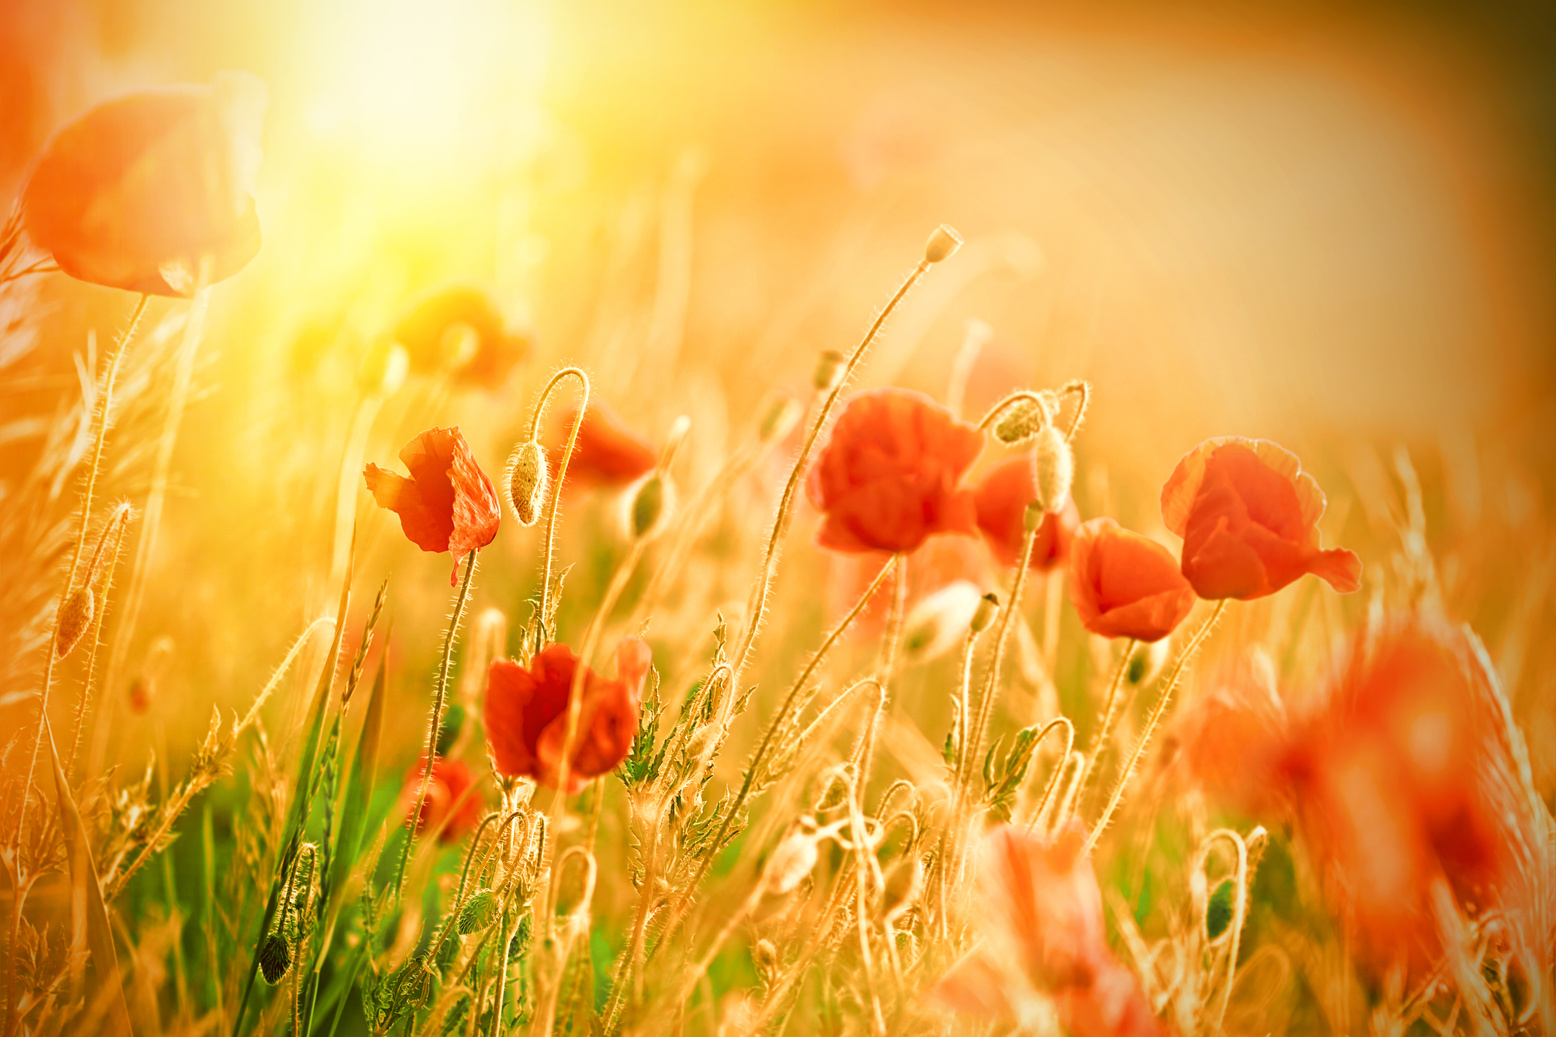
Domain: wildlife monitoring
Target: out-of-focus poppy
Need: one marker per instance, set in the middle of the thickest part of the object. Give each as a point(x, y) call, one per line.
point(1002, 497)
point(526, 714)
point(1231, 740)
point(448, 503)
point(889, 475)
point(452, 806)
point(461, 330)
point(1043, 936)
point(142, 189)
point(607, 453)
point(1248, 516)
point(1412, 769)
point(1126, 585)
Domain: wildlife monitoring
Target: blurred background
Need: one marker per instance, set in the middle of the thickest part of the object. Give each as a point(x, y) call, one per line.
point(1328, 224)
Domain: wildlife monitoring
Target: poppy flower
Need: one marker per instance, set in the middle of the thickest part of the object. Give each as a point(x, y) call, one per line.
point(1043, 936)
point(452, 807)
point(1231, 740)
point(1126, 585)
point(1002, 498)
point(888, 477)
point(1248, 516)
point(461, 330)
point(140, 190)
point(448, 503)
point(526, 714)
point(1411, 771)
point(607, 453)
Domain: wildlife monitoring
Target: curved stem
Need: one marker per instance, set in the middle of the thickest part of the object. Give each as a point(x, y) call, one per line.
point(991, 679)
point(1064, 757)
point(561, 473)
point(441, 698)
point(1109, 712)
point(1083, 389)
point(1150, 724)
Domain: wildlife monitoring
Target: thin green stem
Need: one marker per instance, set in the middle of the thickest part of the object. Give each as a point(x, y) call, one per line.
point(414, 822)
point(1109, 713)
point(561, 473)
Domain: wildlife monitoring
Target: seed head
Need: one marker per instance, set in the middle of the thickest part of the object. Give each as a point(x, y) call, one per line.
point(275, 958)
point(829, 369)
point(478, 912)
point(527, 482)
point(74, 617)
point(1053, 469)
point(988, 608)
point(791, 862)
point(942, 244)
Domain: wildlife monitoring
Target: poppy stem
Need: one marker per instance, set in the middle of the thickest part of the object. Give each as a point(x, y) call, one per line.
point(1109, 714)
point(1150, 724)
point(561, 474)
point(438, 702)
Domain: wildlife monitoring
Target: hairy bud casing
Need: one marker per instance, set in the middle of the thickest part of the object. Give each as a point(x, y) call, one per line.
point(527, 481)
point(1053, 469)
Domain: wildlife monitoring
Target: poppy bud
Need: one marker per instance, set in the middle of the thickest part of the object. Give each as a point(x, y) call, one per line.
point(383, 368)
point(1022, 420)
point(528, 480)
point(942, 244)
point(1147, 662)
point(936, 623)
point(765, 957)
point(829, 368)
point(778, 419)
point(74, 617)
point(791, 862)
point(275, 958)
point(1053, 469)
point(1032, 517)
point(650, 506)
point(988, 607)
point(477, 913)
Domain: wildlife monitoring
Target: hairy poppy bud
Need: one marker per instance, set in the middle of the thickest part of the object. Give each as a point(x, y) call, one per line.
point(477, 913)
point(1053, 469)
point(383, 368)
point(765, 957)
point(275, 958)
point(1022, 420)
point(528, 481)
point(937, 622)
point(791, 862)
point(778, 419)
point(988, 607)
point(942, 244)
point(74, 617)
point(650, 506)
point(829, 368)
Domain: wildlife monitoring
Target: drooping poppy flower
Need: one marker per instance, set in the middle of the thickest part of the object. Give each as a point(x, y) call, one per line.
point(452, 807)
point(448, 503)
point(1044, 940)
point(526, 714)
point(1002, 498)
point(607, 453)
point(1126, 585)
point(1248, 516)
point(141, 190)
point(889, 475)
point(1409, 771)
point(461, 330)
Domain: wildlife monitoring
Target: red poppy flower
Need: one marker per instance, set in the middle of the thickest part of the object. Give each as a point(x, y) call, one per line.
point(526, 714)
point(1248, 516)
point(140, 190)
point(448, 503)
point(1040, 916)
point(607, 452)
point(452, 807)
point(887, 478)
point(1411, 770)
point(461, 330)
point(1233, 739)
point(1002, 498)
point(1124, 584)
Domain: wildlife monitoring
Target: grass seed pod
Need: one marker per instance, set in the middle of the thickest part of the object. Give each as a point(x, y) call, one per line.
point(1053, 469)
point(74, 617)
point(942, 244)
point(527, 481)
